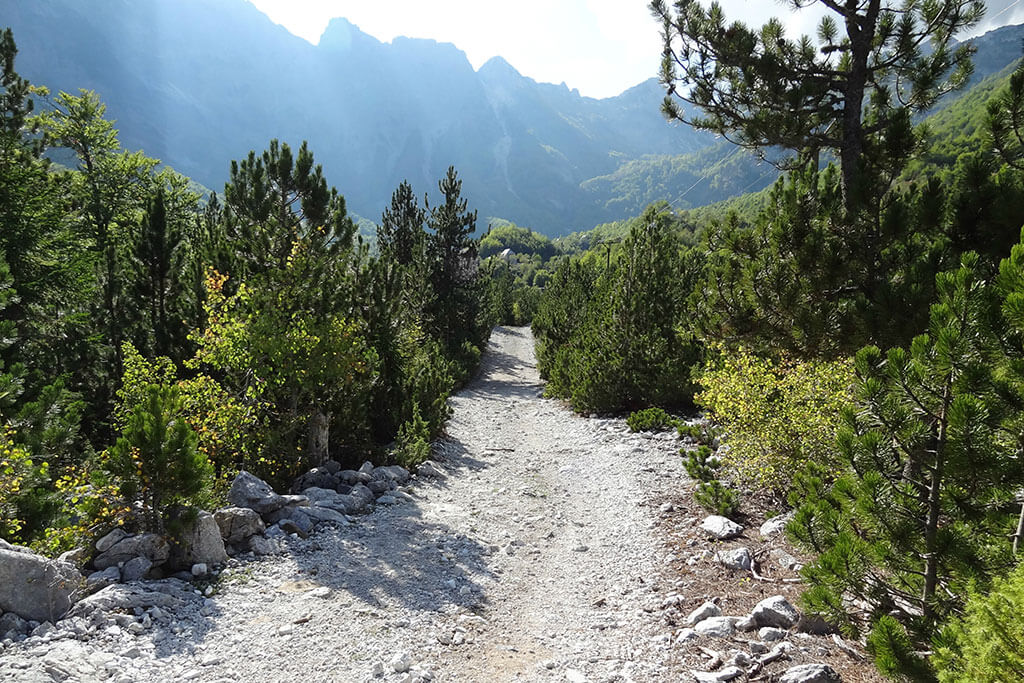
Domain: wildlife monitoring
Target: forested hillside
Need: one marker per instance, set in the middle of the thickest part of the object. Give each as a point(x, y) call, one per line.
point(155, 344)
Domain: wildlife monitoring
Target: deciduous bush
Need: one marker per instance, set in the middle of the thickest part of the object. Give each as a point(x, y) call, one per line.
point(776, 415)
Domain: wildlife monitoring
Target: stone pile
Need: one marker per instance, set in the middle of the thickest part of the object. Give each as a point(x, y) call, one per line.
point(35, 590)
point(771, 624)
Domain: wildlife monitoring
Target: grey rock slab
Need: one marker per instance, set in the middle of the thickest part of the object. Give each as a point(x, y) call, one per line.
point(261, 545)
point(105, 543)
point(237, 524)
point(151, 546)
point(319, 514)
point(166, 594)
point(136, 569)
point(429, 470)
point(353, 477)
point(36, 588)
point(202, 542)
point(810, 673)
point(721, 528)
point(102, 579)
point(716, 627)
point(705, 611)
point(319, 477)
point(11, 622)
point(319, 495)
point(249, 491)
point(395, 473)
point(775, 611)
point(736, 558)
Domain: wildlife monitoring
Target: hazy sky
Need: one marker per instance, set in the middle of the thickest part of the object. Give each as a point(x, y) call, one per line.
point(601, 47)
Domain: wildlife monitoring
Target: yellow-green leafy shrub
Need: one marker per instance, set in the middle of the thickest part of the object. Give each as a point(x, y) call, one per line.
point(19, 477)
point(777, 415)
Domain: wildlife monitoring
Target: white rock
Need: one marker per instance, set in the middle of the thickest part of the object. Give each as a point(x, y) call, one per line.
point(401, 662)
point(810, 673)
point(737, 558)
point(200, 569)
point(717, 627)
point(708, 609)
point(721, 528)
point(686, 635)
point(574, 676)
point(775, 611)
point(771, 634)
point(775, 525)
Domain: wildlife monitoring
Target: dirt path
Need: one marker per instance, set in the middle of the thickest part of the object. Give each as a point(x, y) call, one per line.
point(534, 558)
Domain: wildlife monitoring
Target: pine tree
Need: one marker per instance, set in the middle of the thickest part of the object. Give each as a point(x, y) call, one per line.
point(400, 235)
point(852, 91)
point(453, 263)
point(159, 257)
point(921, 509)
point(157, 457)
point(276, 199)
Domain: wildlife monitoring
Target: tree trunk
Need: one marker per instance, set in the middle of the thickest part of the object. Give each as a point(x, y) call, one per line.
point(931, 529)
point(319, 438)
point(861, 30)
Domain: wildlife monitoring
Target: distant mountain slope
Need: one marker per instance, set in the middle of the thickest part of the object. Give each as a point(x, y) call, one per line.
point(723, 171)
point(198, 83)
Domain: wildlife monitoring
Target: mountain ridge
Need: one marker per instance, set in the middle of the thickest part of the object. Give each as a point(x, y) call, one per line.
point(199, 83)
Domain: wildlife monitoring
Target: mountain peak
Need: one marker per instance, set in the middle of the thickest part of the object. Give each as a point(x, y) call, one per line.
point(498, 66)
point(341, 33)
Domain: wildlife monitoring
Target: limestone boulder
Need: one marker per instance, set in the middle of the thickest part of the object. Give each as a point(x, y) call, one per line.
point(775, 611)
point(249, 491)
point(34, 587)
point(237, 524)
point(151, 546)
point(720, 528)
point(202, 543)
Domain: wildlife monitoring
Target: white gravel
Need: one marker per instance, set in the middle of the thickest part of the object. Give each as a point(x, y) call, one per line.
point(534, 557)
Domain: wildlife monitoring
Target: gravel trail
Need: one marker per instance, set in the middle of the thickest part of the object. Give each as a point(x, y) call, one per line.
point(535, 557)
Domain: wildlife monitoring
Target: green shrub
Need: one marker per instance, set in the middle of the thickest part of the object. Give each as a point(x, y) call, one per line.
point(715, 497)
point(986, 645)
point(651, 420)
point(615, 336)
point(703, 464)
point(20, 482)
point(777, 414)
point(157, 459)
point(413, 444)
